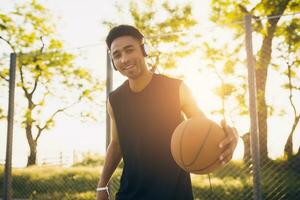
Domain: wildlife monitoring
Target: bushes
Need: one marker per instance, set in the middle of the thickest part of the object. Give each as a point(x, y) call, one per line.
point(91, 160)
point(34, 181)
point(79, 183)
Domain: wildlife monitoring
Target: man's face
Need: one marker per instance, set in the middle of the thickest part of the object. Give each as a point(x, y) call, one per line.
point(128, 57)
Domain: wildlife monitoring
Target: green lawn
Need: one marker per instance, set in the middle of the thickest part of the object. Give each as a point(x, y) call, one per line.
point(78, 183)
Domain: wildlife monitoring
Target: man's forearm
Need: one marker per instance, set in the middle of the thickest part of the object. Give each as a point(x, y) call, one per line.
point(112, 160)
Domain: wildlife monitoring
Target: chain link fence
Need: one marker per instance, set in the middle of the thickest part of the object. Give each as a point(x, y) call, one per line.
point(277, 113)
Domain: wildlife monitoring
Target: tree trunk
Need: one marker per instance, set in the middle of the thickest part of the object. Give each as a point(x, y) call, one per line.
point(288, 148)
point(247, 152)
point(261, 77)
point(28, 128)
point(32, 157)
point(264, 58)
point(32, 146)
point(295, 161)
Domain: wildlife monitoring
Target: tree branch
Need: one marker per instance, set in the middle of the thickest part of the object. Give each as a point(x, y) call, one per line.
point(43, 44)
point(8, 42)
point(38, 68)
point(223, 98)
point(13, 48)
point(291, 90)
point(39, 133)
point(35, 83)
point(1, 76)
point(289, 65)
point(22, 81)
point(41, 129)
point(27, 94)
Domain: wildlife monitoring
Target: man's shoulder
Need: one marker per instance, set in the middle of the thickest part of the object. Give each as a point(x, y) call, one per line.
point(119, 89)
point(168, 78)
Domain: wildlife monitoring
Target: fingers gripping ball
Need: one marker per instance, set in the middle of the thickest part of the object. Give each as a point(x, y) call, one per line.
point(195, 145)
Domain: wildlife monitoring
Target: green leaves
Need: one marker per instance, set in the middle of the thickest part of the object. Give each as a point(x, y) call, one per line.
point(225, 90)
point(290, 32)
point(55, 44)
point(4, 73)
point(227, 12)
point(4, 20)
point(46, 73)
point(28, 39)
point(163, 30)
point(229, 67)
point(2, 114)
point(230, 14)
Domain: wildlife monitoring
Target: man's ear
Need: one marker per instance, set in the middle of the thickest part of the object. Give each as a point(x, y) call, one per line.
point(144, 51)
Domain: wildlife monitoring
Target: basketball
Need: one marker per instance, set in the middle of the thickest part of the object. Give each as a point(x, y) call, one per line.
point(195, 145)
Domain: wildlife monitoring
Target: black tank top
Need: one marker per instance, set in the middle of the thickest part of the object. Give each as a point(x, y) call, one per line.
point(145, 123)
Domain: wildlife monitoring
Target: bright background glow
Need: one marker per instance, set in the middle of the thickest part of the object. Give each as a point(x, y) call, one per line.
point(79, 24)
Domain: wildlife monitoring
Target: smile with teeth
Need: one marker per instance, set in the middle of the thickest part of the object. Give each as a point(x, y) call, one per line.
point(128, 67)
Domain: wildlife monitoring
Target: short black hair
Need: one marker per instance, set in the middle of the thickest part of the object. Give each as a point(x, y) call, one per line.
point(123, 30)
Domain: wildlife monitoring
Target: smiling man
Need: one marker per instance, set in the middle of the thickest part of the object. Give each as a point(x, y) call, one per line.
point(144, 112)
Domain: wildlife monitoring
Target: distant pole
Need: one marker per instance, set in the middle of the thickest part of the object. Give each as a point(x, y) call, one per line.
point(74, 157)
point(61, 162)
point(254, 137)
point(109, 80)
point(10, 120)
point(109, 83)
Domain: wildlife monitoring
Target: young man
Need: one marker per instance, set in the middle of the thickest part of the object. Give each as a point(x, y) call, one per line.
point(144, 112)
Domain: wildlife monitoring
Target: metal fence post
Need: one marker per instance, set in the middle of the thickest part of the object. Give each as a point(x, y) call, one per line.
point(10, 121)
point(109, 82)
point(109, 79)
point(254, 137)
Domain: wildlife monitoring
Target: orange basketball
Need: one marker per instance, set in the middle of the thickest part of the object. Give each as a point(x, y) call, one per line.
point(195, 145)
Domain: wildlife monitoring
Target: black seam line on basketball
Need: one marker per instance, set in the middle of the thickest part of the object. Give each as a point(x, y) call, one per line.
point(201, 147)
point(181, 138)
point(204, 168)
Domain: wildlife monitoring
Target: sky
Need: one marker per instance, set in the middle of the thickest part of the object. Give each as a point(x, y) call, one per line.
point(79, 25)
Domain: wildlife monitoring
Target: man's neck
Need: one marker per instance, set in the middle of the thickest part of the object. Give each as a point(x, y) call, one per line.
point(137, 85)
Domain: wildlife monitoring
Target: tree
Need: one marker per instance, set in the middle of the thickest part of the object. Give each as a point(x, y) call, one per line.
point(289, 45)
point(48, 78)
point(224, 60)
point(164, 35)
point(226, 12)
point(225, 65)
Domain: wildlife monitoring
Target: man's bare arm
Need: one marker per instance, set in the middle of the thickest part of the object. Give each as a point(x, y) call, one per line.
point(114, 154)
point(190, 109)
point(188, 103)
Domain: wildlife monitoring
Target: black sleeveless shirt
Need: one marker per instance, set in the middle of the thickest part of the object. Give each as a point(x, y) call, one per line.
point(145, 122)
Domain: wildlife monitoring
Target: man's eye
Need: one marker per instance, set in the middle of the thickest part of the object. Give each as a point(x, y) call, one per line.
point(116, 56)
point(129, 50)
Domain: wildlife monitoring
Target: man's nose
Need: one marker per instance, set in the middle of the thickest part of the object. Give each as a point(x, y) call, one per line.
point(124, 58)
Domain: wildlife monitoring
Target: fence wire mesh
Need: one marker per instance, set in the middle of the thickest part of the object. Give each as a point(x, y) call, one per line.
point(222, 59)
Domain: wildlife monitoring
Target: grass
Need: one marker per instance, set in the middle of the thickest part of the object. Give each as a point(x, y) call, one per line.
point(234, 181)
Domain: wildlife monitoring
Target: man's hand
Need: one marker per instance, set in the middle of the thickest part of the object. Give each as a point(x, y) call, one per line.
point(229, 143)
point(102, 195)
